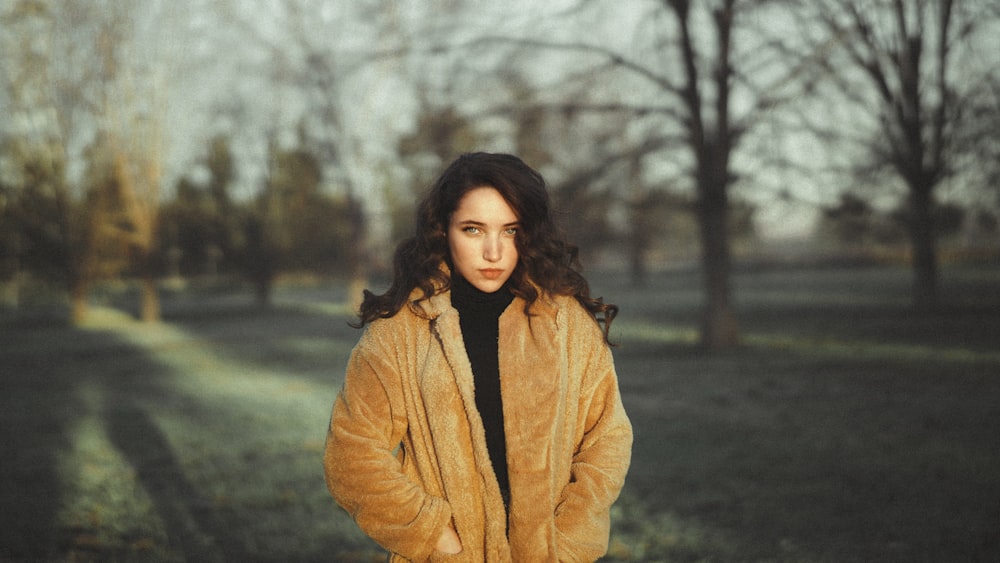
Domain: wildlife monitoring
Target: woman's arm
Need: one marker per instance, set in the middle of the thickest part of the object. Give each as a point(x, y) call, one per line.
point(361, 468)
point(600, 462)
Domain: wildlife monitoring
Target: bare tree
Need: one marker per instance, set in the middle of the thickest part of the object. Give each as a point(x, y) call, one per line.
point(305, 44)
point(712, 136)
point(902, 69)
point(687, 63)
point(978, 144)
point(720, 65)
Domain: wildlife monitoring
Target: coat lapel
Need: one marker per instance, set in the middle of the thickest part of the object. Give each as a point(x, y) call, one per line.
point(449, 388)
point(533, 383)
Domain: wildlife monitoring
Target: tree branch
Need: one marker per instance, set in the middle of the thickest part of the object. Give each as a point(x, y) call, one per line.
point(614, 57)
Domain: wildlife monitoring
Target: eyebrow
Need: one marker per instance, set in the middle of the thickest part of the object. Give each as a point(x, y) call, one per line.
point(475, 223)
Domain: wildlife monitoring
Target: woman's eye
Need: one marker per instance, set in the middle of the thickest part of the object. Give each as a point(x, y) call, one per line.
point(510, 231)
point(471, 230)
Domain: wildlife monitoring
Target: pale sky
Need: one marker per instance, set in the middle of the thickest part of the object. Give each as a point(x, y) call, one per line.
point(214, 70)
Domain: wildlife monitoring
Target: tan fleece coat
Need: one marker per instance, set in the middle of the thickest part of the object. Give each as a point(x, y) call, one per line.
point(406, 450)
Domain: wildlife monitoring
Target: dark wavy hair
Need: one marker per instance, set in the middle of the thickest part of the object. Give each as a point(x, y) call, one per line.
point(545, 260)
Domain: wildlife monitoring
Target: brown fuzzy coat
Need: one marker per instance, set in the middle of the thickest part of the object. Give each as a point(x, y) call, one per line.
point(406, 450)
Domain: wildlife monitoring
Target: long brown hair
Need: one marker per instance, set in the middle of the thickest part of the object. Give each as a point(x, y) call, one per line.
point(545, 260)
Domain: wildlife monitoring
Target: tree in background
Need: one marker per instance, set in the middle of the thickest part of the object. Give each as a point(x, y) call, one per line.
point(189, 224)
point(978, 147)
point(40, 235)
point(698, 60)
point(107, 220)
point(906, 68)
point(202, 225)
point(222, 169)
point(89, 75)
point(293, 180)
point(722, 95)
point(133, 112)
point(864, 230)
point(441, 135)
point(51, 88)
point(306, 58)
point(294, 227)
point(672, 100)
point(712, 137)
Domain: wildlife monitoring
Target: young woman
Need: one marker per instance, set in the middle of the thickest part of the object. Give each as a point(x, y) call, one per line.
point(480, 417)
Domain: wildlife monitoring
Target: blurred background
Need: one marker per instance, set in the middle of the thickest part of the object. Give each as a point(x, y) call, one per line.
point(154, 151)
point(171, 141)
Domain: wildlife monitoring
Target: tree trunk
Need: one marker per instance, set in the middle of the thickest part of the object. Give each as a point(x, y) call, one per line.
point(150, 300)
point(637, 262)
point(719, 328)
point(641, 227)
point(79, 307)
point(150, 306)
point(922, 241)
point(638, 242)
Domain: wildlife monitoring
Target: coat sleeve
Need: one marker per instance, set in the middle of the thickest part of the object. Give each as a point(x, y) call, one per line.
point(602, 455)
point(360, 464)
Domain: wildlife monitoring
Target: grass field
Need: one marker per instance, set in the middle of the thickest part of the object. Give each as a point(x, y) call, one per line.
point(845, 429)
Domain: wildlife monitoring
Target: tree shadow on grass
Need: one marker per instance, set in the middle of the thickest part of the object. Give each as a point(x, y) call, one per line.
point(313, 345)
point(62, 392)
point(30, 485)
point(192, 524)
point(36, 406)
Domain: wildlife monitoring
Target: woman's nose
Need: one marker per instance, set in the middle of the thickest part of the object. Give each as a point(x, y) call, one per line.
point(492, 249)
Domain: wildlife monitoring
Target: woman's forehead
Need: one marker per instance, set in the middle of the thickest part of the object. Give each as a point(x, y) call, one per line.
point(484, 204)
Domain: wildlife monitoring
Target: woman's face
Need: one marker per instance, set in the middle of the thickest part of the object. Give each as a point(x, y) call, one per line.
point(481, 238)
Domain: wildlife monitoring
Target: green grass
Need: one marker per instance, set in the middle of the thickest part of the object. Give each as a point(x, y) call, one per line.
point(846, 428)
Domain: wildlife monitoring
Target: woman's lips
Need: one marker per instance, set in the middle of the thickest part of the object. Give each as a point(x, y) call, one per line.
point(490, 273)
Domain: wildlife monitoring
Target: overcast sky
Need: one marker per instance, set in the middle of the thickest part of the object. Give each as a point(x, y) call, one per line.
point(229, 67)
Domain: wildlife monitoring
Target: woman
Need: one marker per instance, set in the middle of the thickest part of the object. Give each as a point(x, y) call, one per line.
point(480, 418)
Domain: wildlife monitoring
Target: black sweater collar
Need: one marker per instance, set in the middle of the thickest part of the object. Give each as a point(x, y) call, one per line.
point(466, 296)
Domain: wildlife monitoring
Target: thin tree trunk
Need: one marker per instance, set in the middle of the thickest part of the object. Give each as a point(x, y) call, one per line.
point(922, 240)
point(641, 224)
point(638, 242)
point(150, 299)
point(258, 259)
point(637, 263)
point(79, 290)
point(719, 326)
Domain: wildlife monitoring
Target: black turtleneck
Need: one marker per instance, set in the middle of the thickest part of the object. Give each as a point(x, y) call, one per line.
point(479, 316)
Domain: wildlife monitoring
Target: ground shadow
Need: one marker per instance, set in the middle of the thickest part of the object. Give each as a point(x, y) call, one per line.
point(193, 526)
point(37, 403)
point(53, 377)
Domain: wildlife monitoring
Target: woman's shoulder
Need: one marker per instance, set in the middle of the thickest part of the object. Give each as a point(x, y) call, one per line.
point(568, 311)
point(389, 331)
